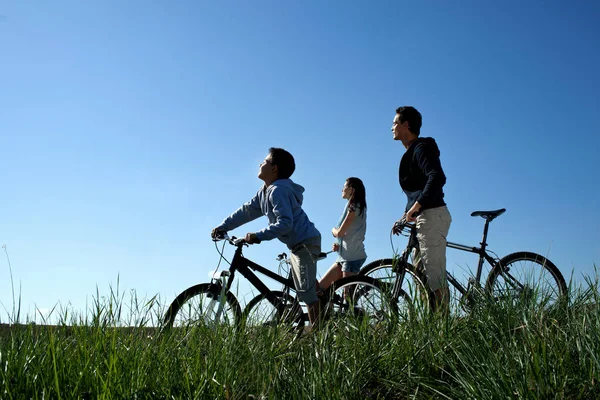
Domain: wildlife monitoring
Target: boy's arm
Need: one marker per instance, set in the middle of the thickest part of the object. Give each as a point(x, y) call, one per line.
point(246, 213)
point(282, 208)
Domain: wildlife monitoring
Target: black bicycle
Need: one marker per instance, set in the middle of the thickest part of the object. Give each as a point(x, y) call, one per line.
point(213, 303)
point(518, 276)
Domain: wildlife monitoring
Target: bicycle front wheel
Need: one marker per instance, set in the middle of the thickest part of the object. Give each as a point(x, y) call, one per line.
point(526, 276)
point(413, 285)
point(203, 305)
point(286, 310)
point(359, 299)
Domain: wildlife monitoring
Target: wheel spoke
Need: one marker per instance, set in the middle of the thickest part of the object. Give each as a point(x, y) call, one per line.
point(359, 299)
point(261, 312)
point(527, 278)
point(412, 288)
point(199, 305)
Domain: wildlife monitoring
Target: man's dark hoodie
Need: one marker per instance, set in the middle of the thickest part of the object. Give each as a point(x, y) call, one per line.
point(421, 175)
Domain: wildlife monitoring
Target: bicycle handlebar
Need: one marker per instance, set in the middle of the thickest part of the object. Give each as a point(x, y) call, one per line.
point(242, 242)
point(231, 239)
point(402, 225)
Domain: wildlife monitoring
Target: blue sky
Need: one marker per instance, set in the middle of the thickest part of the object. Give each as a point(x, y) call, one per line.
point(129, 129)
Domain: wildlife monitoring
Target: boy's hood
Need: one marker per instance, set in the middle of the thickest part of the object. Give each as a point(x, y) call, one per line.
point(288, 184)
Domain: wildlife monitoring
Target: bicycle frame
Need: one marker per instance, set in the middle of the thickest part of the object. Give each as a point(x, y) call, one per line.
point(481, 251)
point(245, 267)
point(483, 255)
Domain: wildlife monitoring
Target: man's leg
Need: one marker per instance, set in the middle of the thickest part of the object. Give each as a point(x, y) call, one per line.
point(432, 228)
point(442, 300)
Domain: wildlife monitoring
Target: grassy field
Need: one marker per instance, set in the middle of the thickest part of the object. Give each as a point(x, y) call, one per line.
point(499, 351)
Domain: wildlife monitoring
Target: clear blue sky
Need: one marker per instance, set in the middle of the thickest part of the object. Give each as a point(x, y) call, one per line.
point(129, 129)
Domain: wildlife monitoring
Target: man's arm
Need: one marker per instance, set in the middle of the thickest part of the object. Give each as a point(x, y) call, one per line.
point(430, 165)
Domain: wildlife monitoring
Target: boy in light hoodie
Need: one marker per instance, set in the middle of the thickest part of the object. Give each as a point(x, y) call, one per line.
point(280, 199)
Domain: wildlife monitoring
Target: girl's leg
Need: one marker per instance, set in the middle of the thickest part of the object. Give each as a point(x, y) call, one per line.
point(352, 268)
point(333, 274)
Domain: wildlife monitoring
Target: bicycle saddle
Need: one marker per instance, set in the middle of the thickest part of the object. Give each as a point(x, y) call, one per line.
point(488, 215)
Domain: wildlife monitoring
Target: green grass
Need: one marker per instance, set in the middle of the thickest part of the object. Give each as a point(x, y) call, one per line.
point(498, 351)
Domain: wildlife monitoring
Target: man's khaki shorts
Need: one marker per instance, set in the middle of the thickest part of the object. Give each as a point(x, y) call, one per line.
point(432, 229)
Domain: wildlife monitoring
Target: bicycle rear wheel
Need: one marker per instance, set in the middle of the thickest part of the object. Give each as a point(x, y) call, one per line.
point(261, 312)
point(203, 304)
point(529, 277)
point(358, 300)
point(413, 285)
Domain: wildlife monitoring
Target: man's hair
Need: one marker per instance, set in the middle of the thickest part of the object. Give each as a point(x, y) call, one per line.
point(284, 161)
point(410, 114)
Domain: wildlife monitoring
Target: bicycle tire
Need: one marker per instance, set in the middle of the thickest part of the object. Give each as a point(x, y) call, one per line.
point(261, 312)
point(507, 274)
point(359, 297)
point(415, 281)
point(188, 307)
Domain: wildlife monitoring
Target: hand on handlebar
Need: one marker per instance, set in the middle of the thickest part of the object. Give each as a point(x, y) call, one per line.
point(218, 234)
point(251, 238)
point(397, 228)
point(398, 225)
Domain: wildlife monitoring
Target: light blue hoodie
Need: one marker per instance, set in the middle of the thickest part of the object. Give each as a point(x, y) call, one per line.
point(281, 202)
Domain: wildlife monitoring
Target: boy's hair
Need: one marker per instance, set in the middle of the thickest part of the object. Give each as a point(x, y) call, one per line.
point(414, 118)
point(284, 161)
point(359, 196)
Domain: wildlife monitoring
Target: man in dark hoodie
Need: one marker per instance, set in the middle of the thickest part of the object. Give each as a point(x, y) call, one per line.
point(280, 199)
point(422, 179)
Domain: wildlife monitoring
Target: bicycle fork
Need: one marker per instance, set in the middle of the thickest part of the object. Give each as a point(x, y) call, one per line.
point(399, 268)
point(220, 292)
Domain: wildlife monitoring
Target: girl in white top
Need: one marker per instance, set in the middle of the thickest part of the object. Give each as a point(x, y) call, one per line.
point(350, 234)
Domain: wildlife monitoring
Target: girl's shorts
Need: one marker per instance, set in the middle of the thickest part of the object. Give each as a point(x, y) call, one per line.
point(352, 266)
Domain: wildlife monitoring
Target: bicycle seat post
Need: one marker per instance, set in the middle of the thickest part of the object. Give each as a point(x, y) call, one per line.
point(489, 216)
point(485, 233)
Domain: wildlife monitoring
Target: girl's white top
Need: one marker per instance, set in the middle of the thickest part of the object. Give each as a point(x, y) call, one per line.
point(352, 245)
